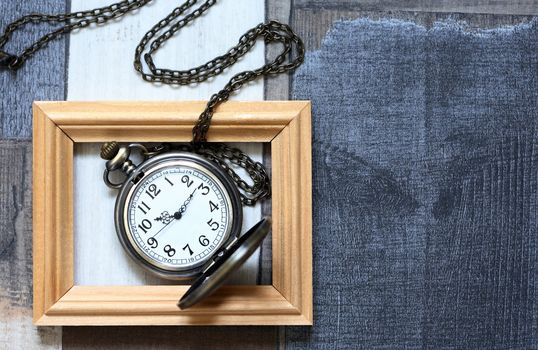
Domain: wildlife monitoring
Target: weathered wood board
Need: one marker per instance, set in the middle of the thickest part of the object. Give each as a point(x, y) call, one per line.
point(448, 265)
point(115, 79)
point(43, 78)
point(505, 7)
point(16, 329)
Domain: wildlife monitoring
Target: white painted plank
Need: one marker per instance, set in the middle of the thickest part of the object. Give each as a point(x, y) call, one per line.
point(100, 68)
point(99, 257)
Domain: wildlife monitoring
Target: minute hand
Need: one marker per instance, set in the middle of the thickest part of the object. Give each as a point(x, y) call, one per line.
point(183, 207)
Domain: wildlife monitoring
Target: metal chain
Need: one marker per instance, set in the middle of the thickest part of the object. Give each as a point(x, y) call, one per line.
point(225, 156)
point(273, 32)
point(74, 20)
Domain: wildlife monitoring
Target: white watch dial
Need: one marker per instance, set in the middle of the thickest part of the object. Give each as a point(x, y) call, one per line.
point(178, 216)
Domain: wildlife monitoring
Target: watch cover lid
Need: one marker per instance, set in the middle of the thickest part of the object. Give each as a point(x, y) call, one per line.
point(225, 263)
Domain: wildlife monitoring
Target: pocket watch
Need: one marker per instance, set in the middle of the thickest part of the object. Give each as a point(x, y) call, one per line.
point(179, 215)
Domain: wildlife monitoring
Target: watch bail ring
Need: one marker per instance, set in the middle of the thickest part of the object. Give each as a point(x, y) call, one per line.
point(109, 183)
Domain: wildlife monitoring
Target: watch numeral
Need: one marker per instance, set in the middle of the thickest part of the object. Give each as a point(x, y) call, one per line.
point(186, 180)
point(203, 240)
point(189, 248)
point(144, 207)
point(153, 242)
point(213, 206)
point(213, 224)
point(168, 180)
point(145, 225)
point(152, 191)
point(202, 187)
point(169, 250)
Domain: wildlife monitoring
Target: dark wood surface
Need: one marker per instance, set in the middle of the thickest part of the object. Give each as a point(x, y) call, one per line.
point(163, 338)
point(43, 78)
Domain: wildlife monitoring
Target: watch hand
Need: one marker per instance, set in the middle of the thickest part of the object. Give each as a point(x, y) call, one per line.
point(162, 228)
point(178, 214)
point(165, 217)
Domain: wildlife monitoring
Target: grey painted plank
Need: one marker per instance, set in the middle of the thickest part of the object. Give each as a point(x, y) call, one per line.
point(43, 76)
point(312, 24)
point(16, 327)
point(506, 7)
point(277, 87)
point(432, 241)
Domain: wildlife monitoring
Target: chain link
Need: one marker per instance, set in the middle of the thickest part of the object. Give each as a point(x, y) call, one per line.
point(75, 20)
point(225, 157)
point(272, 32)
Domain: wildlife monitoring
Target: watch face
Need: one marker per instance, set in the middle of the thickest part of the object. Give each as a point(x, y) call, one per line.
point(178, 215)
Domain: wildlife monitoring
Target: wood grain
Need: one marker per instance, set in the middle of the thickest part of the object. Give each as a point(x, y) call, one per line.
point(59, 304)
point(15, 252)
point(292, 205)
point(312, 23)
point(479, 275)
point(214, 34)
point(143, 122)
point(277, 87)
point(521, 7)
point(53, 213)
point(41, 78)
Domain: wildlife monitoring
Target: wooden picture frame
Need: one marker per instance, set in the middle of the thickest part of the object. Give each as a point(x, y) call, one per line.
point(57, 126)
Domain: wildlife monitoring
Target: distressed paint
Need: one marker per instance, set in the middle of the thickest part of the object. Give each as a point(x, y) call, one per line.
point(425, 175)
point(519, 7)
point(16, 329)
point(41, 78)
point(115, 79)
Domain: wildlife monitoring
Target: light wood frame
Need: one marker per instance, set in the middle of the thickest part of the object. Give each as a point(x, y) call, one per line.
point(59, 125)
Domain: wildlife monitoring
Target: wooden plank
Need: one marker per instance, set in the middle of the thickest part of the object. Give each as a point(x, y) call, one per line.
point(312, 24)
point(117, 79)
point(506, 7)
point(457, 304)
point(15, 252)
point(168, 338)
point(277, 87)
point(43, 76)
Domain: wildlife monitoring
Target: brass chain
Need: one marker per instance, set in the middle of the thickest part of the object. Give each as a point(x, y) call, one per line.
point(226, 157)
point(272, 32)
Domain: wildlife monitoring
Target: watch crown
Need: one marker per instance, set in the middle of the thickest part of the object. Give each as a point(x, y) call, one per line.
point(109, 150)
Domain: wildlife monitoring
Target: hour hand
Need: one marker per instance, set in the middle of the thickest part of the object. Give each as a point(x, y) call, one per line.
point(165, 218)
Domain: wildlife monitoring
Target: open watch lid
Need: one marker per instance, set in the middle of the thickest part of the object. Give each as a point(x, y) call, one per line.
point(225, 263)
